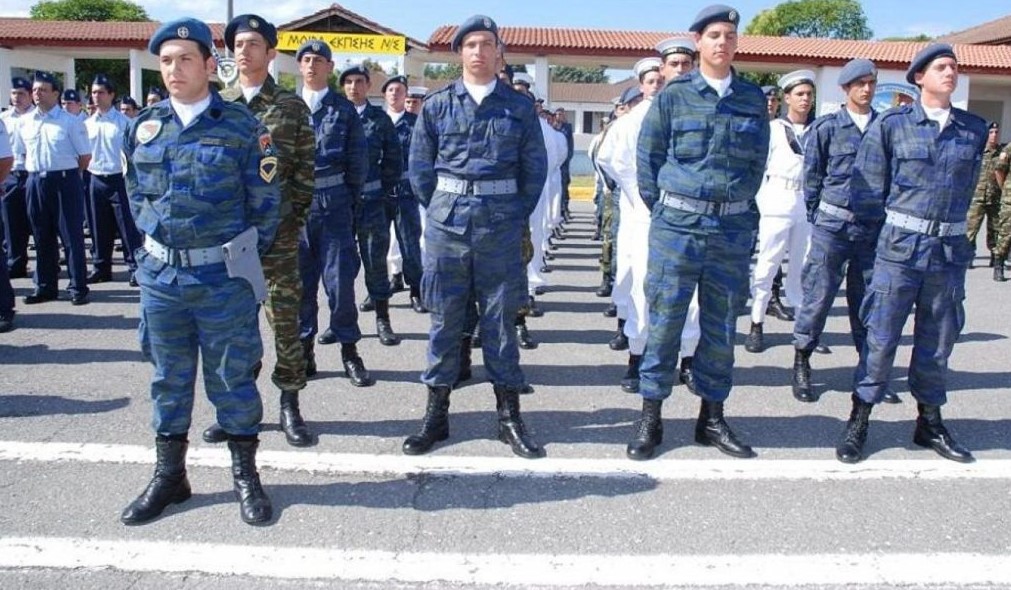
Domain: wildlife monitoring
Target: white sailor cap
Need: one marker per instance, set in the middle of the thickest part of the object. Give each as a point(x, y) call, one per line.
point(523, 78)
point(417, 92)
point(684, 45)
point(788, 81)
point(643, 66)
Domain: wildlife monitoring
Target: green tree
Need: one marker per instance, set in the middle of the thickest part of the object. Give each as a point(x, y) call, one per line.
point(922, 37)
point(592, 75)
point(830, 19)
point(118, 70)
point(443, 71)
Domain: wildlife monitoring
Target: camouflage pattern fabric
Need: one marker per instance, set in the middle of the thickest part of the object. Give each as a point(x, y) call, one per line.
point(986, 200)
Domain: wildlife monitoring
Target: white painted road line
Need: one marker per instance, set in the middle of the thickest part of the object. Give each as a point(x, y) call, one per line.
point(957, 569)
point(929, 468)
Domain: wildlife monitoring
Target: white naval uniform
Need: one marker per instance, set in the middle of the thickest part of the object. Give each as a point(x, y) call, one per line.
point(617, 156)
point(783, 226)
point(557, 149)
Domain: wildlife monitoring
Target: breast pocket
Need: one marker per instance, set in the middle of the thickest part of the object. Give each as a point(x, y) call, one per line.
point(333, 137)
point(149, 169)
point(216, 173)
point(745, 134)
point(504, 136)
point(964, 164)
point(912, 165)
point(840, 158)
point(690, 136)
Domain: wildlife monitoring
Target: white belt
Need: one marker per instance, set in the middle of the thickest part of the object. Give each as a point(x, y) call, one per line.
point(458, 186)
point(329, 181)
point(938, 229)
point(836, 211)
point(701, 207)
point(791, 184)
point(183, 257)
point(371, 187)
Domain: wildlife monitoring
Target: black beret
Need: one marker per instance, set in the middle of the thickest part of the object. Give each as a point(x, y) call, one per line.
point(925, 56)
point(41, 76)
point(21, 83)
point(473, 24)
point(395, 80)
point(716, 13)
point(250, 23)
point(355, 70)
point(128, 100)
point(103, 80)
point(71, 95)
point(315, 47)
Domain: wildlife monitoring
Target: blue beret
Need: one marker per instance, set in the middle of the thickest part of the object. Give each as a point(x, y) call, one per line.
point(770, 90)
point(716, 13)
point(354, 70)
point(395, 80)
point(856, 69)
point(71, 95)
point(21, 83)
point(128, 100)
point(925, 56)
point(315, 47)
point(250, 23)
point(187, 29)
point(631, 93)
point(41, 76)
point(473, 24)
point(103, 80)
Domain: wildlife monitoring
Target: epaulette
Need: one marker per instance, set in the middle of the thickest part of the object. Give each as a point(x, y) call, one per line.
point(903, 109)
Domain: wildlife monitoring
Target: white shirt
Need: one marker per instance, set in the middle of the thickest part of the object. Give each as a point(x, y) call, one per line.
point(720, 85)
point(617, 156)
point(860, 120)
point(250, 92)
point(188, 112)
point(105, 133)
point(479, 91)
point(396, 117)
point(781, 193)
point(313, 97)
point(938, 115)
point(11, 118)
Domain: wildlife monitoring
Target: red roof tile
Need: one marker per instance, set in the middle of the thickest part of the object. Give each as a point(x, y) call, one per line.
point(16, 32)
point(995, 32)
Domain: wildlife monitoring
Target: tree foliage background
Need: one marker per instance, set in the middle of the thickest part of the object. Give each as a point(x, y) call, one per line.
point(118, 70)
point(590, 75)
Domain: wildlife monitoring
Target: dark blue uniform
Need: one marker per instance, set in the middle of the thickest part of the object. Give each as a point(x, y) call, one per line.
point(845, 229)
point(925, 179)
point(14, 210)
point(385, 166)
point(403, 210)
point(327, 246)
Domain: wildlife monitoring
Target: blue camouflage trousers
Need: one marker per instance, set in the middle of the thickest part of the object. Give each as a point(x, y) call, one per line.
point(326, 251)
point(473, 254)
point(833, 255)
point(678, 261)
point(372, 225)
point(894, 290)
point(216, 322)
point(406, 217)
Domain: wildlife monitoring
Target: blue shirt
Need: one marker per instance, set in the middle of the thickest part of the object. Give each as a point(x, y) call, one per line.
point(11, 119)
point(498, 139)
point(695, 144)
point(340, 141)
point(906, 165)
point(106, 132)
point(832, 144)
point(51, 141)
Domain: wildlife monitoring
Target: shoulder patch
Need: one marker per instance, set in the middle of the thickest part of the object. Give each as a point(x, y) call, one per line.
point(267, 145)
point(148, 130)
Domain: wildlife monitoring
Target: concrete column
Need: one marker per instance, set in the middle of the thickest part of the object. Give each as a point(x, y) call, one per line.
point(542, 78)
point(578, 123)
point(412, 67)
point(6, 60)
point(136, 80)
point(69, 76)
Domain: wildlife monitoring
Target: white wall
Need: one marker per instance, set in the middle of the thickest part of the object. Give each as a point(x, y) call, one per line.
point(831, 96)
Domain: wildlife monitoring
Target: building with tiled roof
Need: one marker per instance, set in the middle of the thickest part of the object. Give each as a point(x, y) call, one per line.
point(995, 32)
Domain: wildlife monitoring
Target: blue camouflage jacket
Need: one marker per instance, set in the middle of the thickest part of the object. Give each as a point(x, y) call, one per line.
point(202, 185)
point(340, 141)
point(906, 165)
point(832, 144)
point(386, 160)
point(404, 128)
point(498, 139)
point(695, 144)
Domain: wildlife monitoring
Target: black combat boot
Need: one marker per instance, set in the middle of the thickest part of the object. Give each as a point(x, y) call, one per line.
point(523, 334)
point(890, 396)
point(387, 337)
point(685, 374)
point(354, 366)
point(397, 282)
point(993, 260)
point(712, 430)
point(532, 309)
point(931, 433)
point(292, 425)
point(630, 382)
point(254, 505)
point(511, 429)
point(647, 432)
point(802, 389)
point(620, 341)
point(851, 448)
point(611, 311)
point(465, 374)
point(434, 426)
point(367, 305)
point(777, 309)
point(606, 286)
point(755, 342)
point(309, 351)
point(416, 303)
point(998, 271)
point(168, 485)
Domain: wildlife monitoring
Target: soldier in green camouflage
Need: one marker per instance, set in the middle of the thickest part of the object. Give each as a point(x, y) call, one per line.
point(1004, 224)
point(986, 200)
point(252, 40)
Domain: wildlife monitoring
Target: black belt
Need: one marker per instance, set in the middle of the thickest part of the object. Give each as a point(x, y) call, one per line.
point(55, 173)
point(106, 175)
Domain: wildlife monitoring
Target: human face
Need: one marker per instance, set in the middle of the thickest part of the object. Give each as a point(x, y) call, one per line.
point(521, 88)
point(676, 64)
point(184, 70)
point(717, 46)
point(71, 107)
point(413, 105)
point(992, 137)
point(44, 95)
point(252, 55)
point(799, 100)
point(356, 88)
point(315, 70)
point(560, 115)
point(101, 96)
point(860, 93)
point(479, 54)
point(21, 99)
point(620, 110)
point(651, 84)
point(395, 96)
point(152, 99)
point(128, 109)
point(772, 105)
point(939, 78)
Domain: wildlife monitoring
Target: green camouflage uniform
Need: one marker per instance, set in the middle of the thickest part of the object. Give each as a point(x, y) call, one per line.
point(986, 200)
point(286, 116)
point(1004, 225)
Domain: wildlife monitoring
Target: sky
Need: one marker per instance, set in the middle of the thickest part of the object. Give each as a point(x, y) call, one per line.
point(418, 18)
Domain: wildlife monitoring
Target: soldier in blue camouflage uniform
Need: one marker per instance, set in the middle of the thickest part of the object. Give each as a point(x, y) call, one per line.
point(326, 249)
point(199, 175)
point(701, 156)
point(403, 208)
point(845, 230)
point(920, 161)
point(386, 165)
point(478, 164)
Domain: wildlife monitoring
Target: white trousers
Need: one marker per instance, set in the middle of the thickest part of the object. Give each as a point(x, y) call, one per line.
point(776, 237)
